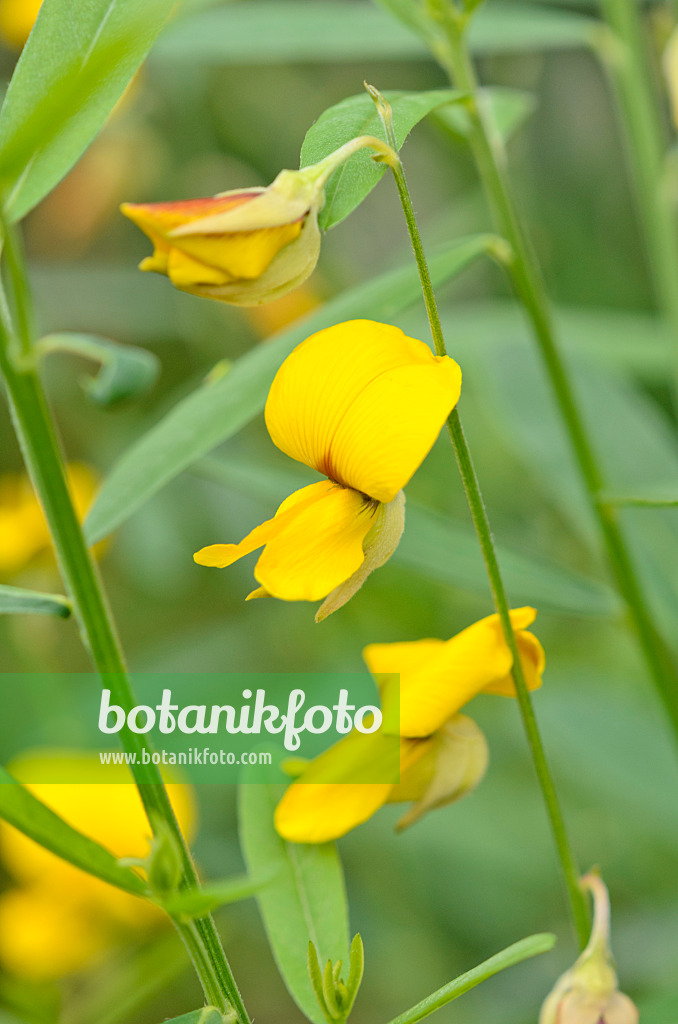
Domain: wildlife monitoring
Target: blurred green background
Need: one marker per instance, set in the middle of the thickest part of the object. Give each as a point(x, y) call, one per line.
point(207, 113)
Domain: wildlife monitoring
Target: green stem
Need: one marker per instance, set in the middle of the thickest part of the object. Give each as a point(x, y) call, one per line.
point(569, 870)
point(40, 447)
point(624, 51)
point(528, 284)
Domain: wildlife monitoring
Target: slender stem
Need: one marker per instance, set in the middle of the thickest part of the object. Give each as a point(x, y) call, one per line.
point(568, 865)
point(37, 437)
point(528, 284)
point(624, 50)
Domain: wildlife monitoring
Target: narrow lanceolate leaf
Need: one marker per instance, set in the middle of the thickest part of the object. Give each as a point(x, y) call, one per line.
point(15, 601)
point(74, 68)
point(506, 109)
point(509, 957)
point(354, 116)
point(216, 411)
point(285, 31)
point(208, 1015)
point(29, 815)
point(124, 371)
point(437, 548)
point(306, 899)
point(529, 28)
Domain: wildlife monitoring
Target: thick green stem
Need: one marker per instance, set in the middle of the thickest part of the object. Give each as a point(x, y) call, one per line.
point(568, 865)
point(528, 284)
point(40, 447)
point(624, 51)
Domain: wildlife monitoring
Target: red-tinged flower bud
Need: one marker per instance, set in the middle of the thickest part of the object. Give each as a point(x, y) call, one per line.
point(247, 246)
point(588, 993)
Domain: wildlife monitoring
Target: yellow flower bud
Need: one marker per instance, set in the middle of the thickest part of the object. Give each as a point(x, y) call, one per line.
point(247, 246)
point(588, 993)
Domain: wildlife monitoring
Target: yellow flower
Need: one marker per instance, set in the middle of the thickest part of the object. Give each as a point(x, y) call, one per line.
point(56, 919)
point(16, 20)
point(246, 246)
point(588, 993)
point(24, 533)
point(443, 754)
point(363, 404)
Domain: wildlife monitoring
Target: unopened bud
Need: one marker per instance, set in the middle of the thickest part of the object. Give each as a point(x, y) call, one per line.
point(588, 993)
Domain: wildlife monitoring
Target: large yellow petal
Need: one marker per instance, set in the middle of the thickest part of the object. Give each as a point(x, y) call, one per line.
point(316, 812)
point(313, 543)
point(438, 678)
point(319, 546)
point(362, 403)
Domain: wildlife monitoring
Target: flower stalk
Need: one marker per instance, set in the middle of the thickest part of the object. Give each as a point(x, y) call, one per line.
point(568, 865)
point(525, 273)
point(37, 437)
point(623, 50)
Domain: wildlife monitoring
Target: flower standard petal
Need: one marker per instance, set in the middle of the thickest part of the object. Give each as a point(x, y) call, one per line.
point(437, 678)
point(319, 406)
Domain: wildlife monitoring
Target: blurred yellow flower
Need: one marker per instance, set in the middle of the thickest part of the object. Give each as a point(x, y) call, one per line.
point(24, 533)
point(363, 404)
point(670, 67)
point(274, 316)
point(443, 754)
point(56, 919)
point(16, 21)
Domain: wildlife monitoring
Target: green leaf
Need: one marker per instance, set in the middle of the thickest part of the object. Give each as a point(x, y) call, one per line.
point(306, 899)
point(448, 551)
point(208, 1015)
point(280, 31)
point(354, 116)
point(284, 31)
point(14, 601)
point(29, 815)
point(196, 903)
point(215, 412)
point(441, 549)
point(526, 28)
point(633, 437)
point(124, 372)
point(69, 77)
point(660, 495)
point(509, 109)
point(509, 957)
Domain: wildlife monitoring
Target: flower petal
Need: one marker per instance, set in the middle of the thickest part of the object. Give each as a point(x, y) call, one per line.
point(316, 812)
point(438, 678)
point(318, 547)
point(313, 543)
point(362, 403)
point(220, 556)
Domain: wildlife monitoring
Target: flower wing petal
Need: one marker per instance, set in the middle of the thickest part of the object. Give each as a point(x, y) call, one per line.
point(318, 547)
point(317, 811)
point(222, 555)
